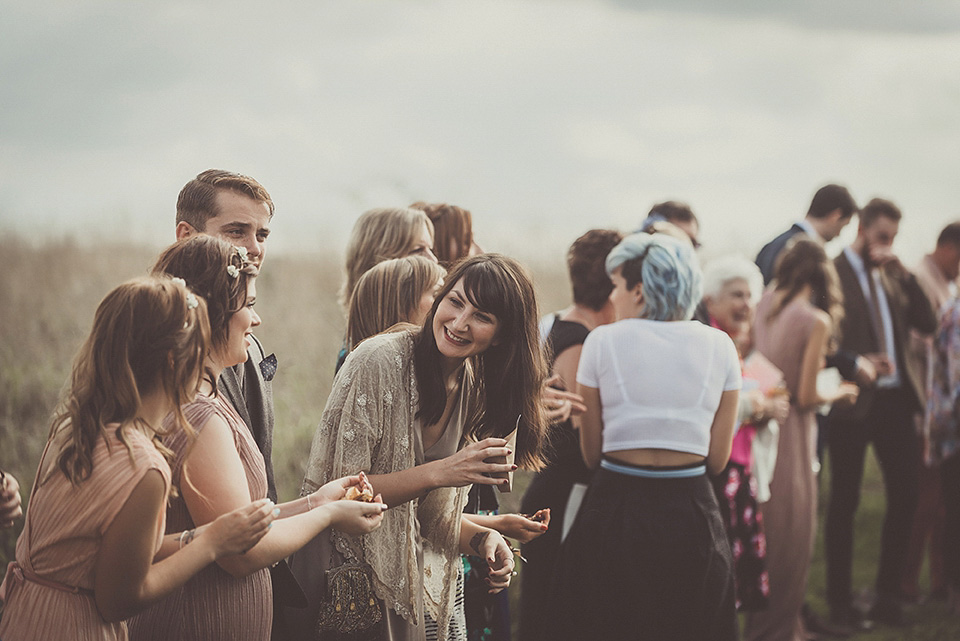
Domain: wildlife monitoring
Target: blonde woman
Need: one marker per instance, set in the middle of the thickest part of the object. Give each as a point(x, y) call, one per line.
point(381, 234)
point(399, 290)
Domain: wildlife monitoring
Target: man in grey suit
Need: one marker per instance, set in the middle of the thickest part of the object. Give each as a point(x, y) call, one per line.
point(882, 303)
point(238, 209)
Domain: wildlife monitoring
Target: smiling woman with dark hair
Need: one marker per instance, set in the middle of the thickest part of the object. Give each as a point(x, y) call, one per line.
point(420, 411)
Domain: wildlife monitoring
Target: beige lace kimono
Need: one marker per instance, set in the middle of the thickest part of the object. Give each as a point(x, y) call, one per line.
point(368, 425)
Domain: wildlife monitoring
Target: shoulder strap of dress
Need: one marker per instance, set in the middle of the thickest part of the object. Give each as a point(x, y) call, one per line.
point(565, 334)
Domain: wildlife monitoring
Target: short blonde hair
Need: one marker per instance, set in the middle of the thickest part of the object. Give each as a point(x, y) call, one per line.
point(378, 235)
point(389, 293)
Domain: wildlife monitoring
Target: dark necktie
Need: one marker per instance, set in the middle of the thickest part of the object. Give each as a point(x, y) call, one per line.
point(876, 316)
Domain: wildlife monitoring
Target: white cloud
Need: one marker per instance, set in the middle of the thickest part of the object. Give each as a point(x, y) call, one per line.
point(542, 117)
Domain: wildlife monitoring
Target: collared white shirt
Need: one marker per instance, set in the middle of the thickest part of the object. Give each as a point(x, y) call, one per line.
point(810, 231)
point(890, 380)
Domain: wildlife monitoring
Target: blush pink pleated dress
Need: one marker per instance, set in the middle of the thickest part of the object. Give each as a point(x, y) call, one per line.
point(48, 591)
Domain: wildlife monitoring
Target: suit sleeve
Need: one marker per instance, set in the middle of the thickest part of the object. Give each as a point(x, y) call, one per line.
point(920, 313)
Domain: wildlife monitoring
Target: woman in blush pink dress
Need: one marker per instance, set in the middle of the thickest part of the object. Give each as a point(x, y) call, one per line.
point(222, 467)
point(89, 555)
point(793, 329)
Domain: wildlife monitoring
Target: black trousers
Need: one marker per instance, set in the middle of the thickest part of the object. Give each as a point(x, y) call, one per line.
point(889, 426)
point(950, 475)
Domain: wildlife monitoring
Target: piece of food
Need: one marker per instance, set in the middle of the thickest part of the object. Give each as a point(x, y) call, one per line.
point(363, 493)
point(355, 494)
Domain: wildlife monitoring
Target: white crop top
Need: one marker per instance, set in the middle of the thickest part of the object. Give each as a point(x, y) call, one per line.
point(660, 382)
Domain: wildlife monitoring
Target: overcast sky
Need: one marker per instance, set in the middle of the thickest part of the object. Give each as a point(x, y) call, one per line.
point(543, 118)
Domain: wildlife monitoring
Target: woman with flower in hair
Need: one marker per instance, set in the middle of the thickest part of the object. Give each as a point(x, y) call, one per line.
point(647, 556)
point(92, 551)
point(421, 411)
point(221, 467)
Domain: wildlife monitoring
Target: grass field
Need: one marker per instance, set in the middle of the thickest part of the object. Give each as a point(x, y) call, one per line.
point(49, 294)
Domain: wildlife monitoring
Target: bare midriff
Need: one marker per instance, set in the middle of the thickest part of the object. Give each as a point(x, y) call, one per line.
point(654, 457)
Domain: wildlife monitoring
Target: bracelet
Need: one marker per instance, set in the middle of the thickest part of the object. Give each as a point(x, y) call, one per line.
point(185, 537)
point(309, 507)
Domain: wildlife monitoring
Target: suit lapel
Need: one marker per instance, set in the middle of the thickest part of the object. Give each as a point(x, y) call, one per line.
point(856, 301)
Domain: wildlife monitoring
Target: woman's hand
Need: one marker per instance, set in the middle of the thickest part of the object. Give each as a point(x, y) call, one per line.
point(467, 466)
point(523, 528)
point(490, 545)
point(847, 394)
point(237, 531)
point(775, 407)
point(356, 517)
point(337, 489)
point(10, 508)
point(559, 405)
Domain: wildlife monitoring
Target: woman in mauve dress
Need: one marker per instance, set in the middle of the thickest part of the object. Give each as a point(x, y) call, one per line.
point(91, 548)
point(221, 467)
point(794, 329)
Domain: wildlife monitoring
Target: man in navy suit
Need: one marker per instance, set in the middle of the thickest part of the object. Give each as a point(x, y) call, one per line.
point(830, 211)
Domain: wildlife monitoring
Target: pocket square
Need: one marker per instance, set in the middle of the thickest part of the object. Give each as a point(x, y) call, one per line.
point(268, 367)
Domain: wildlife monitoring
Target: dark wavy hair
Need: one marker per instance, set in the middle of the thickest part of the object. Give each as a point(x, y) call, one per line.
point(511, 373)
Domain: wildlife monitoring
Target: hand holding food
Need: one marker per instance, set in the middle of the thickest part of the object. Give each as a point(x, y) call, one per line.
point(362, 492)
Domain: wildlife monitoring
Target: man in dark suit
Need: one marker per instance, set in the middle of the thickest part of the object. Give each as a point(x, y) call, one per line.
point(237, 209)
point(882, 303)
point(830, 210)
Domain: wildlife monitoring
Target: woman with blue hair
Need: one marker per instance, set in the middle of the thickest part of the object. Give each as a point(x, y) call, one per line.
point(648, 556)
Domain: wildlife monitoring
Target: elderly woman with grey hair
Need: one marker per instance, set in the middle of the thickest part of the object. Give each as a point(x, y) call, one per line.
point(648, 554)
point(731, 290)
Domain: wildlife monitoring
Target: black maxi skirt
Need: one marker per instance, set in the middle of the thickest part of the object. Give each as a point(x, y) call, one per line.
point(647, 558)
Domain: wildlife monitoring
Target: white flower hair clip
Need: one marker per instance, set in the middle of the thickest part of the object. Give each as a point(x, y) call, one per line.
point(242, 252)
point(233, 271)
point(178, 280)
point(192, 302)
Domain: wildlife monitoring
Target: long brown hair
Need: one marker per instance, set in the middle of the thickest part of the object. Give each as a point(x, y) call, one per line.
point(803, 263)
point(148, 333)
point(389, 293)
point(452, 225)
point(511, 373)
point(216, 270)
